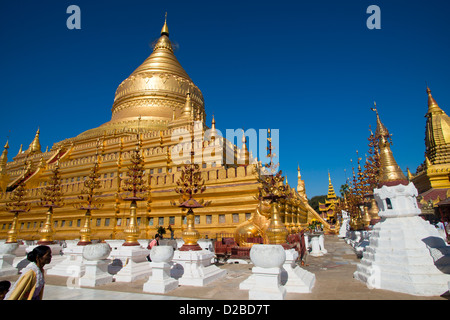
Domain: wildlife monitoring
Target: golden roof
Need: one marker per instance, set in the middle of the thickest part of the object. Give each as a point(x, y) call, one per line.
point(437, 134)
point(156, 91)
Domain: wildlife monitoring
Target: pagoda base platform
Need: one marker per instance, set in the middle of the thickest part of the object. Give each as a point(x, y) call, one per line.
point(194, 268)
point(293, 277)
point(72, 265)
point(406, 254)
point(160, 280)
point(134, 263)
point(96, 273)
point(6, 265)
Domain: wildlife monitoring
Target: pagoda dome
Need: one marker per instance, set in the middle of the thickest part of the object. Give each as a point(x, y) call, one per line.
point(155, 92)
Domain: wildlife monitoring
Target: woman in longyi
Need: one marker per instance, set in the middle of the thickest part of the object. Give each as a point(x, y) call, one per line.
point(30, 285)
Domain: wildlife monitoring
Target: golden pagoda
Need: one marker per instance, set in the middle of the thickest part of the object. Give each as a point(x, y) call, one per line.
point(432, 176)
point(160, 104)
point(328, 209)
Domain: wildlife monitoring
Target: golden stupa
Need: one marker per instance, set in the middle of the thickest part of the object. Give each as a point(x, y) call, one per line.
point(329, 209)
point(150, 106)
point(433, 174)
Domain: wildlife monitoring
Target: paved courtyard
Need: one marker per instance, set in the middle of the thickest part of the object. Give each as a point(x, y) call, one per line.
point(334, 281)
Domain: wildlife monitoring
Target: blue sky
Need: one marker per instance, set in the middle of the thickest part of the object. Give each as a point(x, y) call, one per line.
point(311, 69)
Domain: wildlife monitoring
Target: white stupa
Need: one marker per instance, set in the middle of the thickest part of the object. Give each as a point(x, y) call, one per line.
point(406, 254)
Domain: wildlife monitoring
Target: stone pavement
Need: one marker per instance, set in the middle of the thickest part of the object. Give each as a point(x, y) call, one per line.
point(334, 281)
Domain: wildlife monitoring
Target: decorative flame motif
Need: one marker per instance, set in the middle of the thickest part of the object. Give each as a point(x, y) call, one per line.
point(52, 195)
point(17, 205)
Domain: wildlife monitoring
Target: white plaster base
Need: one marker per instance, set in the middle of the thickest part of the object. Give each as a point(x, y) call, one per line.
point(315, 247)
point(160, 280)
point(6, 265)
point(134, 261)
point(72, 265)
point(115, 245)
point(322, 244)
point(196, 268)
point(398, 258)
point(293, 277)
point(266, 284)
point(96, 273)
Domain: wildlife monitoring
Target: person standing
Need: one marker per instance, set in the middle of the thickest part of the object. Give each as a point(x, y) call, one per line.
point(154, 242)
point(30, 285)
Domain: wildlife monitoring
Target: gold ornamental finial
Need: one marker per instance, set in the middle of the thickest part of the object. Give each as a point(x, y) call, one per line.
point(35, 145)
point(213, 123)
point(381, 129)
point(4, 157)
point(187, 110)
point(20, 149)
point(432, 104)
point(410, 176)
point(165, 28)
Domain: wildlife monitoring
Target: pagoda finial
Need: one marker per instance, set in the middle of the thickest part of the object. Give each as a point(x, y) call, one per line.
point(381, 129)
point(165, 28)
point(35, 145)
point(432, 104)
point(4, 156)
point(213, 123)
point(187, 111)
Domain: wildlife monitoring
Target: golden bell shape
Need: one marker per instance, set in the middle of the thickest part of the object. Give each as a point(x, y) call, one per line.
point(190, 235)
point(132, 230)
point(85, 232)
point(46, 232)
point(12, 233)
point(373, 211)
point(366, 218)
point(276, 232)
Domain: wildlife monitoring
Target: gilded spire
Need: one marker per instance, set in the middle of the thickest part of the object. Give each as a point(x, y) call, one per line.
point(432, 104)
point(390, 172)
point(244, 154)
point(4, 157)
point(213, 123)
point(409, 174)
point(381, 129)
point(331, 193)
point(300, 184)
point(165, 28)
point(20, 149)
point(187, 110)
point(35, 145)
point(437, 132)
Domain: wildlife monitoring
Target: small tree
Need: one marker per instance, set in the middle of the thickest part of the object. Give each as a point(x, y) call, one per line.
point(161, 231)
